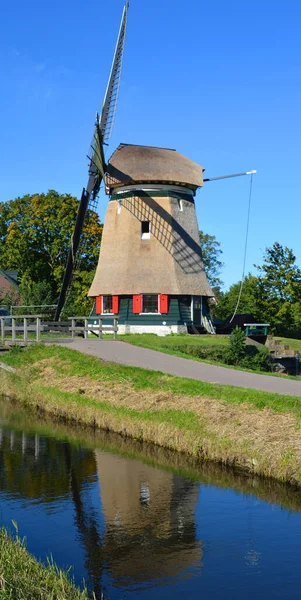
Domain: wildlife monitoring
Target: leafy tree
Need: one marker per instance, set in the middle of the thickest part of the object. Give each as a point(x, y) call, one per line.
point(280, 281)
point(35, 235)
point(274, 296)
point(35, 293)
point(250, 302)
point(211, 250)
point(77, 301)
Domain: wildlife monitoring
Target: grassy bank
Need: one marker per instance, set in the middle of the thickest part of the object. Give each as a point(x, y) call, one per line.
point(254, 430)
point(22, 577)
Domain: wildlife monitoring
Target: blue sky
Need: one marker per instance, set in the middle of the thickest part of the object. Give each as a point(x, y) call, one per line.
point(219, 81)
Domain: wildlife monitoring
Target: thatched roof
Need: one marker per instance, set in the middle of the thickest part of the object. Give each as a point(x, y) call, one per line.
point(146, 164)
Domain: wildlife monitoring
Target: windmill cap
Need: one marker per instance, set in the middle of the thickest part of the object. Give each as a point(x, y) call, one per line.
point(132, 164)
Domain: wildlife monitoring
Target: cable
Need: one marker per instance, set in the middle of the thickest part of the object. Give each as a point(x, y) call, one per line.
point(245, 251)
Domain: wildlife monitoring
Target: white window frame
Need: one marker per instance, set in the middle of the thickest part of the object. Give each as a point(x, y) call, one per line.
point(106, 314)
point(151, 313)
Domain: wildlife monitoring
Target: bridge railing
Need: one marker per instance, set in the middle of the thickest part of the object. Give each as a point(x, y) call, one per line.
point(24, 329)
point(19, 326)
point(100, 328)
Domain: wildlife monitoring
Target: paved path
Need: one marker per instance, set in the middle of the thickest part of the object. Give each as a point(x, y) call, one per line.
point(126, 354)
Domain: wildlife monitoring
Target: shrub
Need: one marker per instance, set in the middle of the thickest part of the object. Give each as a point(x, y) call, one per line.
point(237, 347)
point(238, 353)
point(214, 353)
point(256, 358)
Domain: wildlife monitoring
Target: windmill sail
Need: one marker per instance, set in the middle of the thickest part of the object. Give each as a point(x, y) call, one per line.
point(97, 167)
point(106, 121)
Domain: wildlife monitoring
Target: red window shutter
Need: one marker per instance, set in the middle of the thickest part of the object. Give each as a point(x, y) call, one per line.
point(99, 305)
point(137, 304)
point(163, 304)
point(115, 305)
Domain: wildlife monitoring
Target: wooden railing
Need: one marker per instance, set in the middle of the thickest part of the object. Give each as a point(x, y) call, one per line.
point(16, 329)
point(11, 325)
point(99, 329)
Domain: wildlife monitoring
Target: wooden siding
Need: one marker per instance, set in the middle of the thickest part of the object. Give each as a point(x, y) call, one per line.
point(179, 313)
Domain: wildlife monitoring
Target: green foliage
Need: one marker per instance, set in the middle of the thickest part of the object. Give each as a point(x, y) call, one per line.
point(246, 356)
point(22, 577)
point(35, 235)
point(236, 353)
point(35, 293)
point(237, 346)
point(212, 353)
point(280, 281)
point(256, 358)
point(273, 296)
point(211, 251)
point(251, 301)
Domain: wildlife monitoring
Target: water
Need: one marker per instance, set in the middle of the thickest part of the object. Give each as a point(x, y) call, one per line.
point(144, 523)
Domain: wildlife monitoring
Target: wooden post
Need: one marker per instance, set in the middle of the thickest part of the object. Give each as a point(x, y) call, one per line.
point(2, 331)
point(25, 331)
point(73, 327)
point(86, 329)
point(100, 329)
point(115, 329)
point(13, 330)
point(38, 329)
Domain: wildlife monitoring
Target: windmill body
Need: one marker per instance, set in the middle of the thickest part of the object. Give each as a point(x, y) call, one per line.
point(150, 270)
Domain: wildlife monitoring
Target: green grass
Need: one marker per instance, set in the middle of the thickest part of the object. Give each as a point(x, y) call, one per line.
point(22, 577)
point(291, 342)
point(70, 362)
point(154, 341)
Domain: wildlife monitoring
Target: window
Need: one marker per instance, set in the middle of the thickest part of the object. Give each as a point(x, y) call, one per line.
point(107, 304)
point(144, 494)
point(180, 203)
point(145, 230)
point(150, 303)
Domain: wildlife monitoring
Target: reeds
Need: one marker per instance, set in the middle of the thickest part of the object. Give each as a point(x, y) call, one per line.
point(22, 577)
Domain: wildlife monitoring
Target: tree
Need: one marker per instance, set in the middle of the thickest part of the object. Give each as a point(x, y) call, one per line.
point(250, 301)
point(35, 234)
point(280, 280)
point(211, 251)
point(273, 297)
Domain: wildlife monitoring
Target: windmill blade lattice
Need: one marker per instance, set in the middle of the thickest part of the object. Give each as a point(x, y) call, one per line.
point(106, 121)
point(97, 167)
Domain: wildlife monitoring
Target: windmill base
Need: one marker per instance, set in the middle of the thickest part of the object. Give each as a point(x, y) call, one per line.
point(161, 330)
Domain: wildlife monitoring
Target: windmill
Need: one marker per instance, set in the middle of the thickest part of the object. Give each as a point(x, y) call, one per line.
point(150, 270)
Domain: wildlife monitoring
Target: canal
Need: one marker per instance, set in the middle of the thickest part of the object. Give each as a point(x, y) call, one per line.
point(139, 522)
